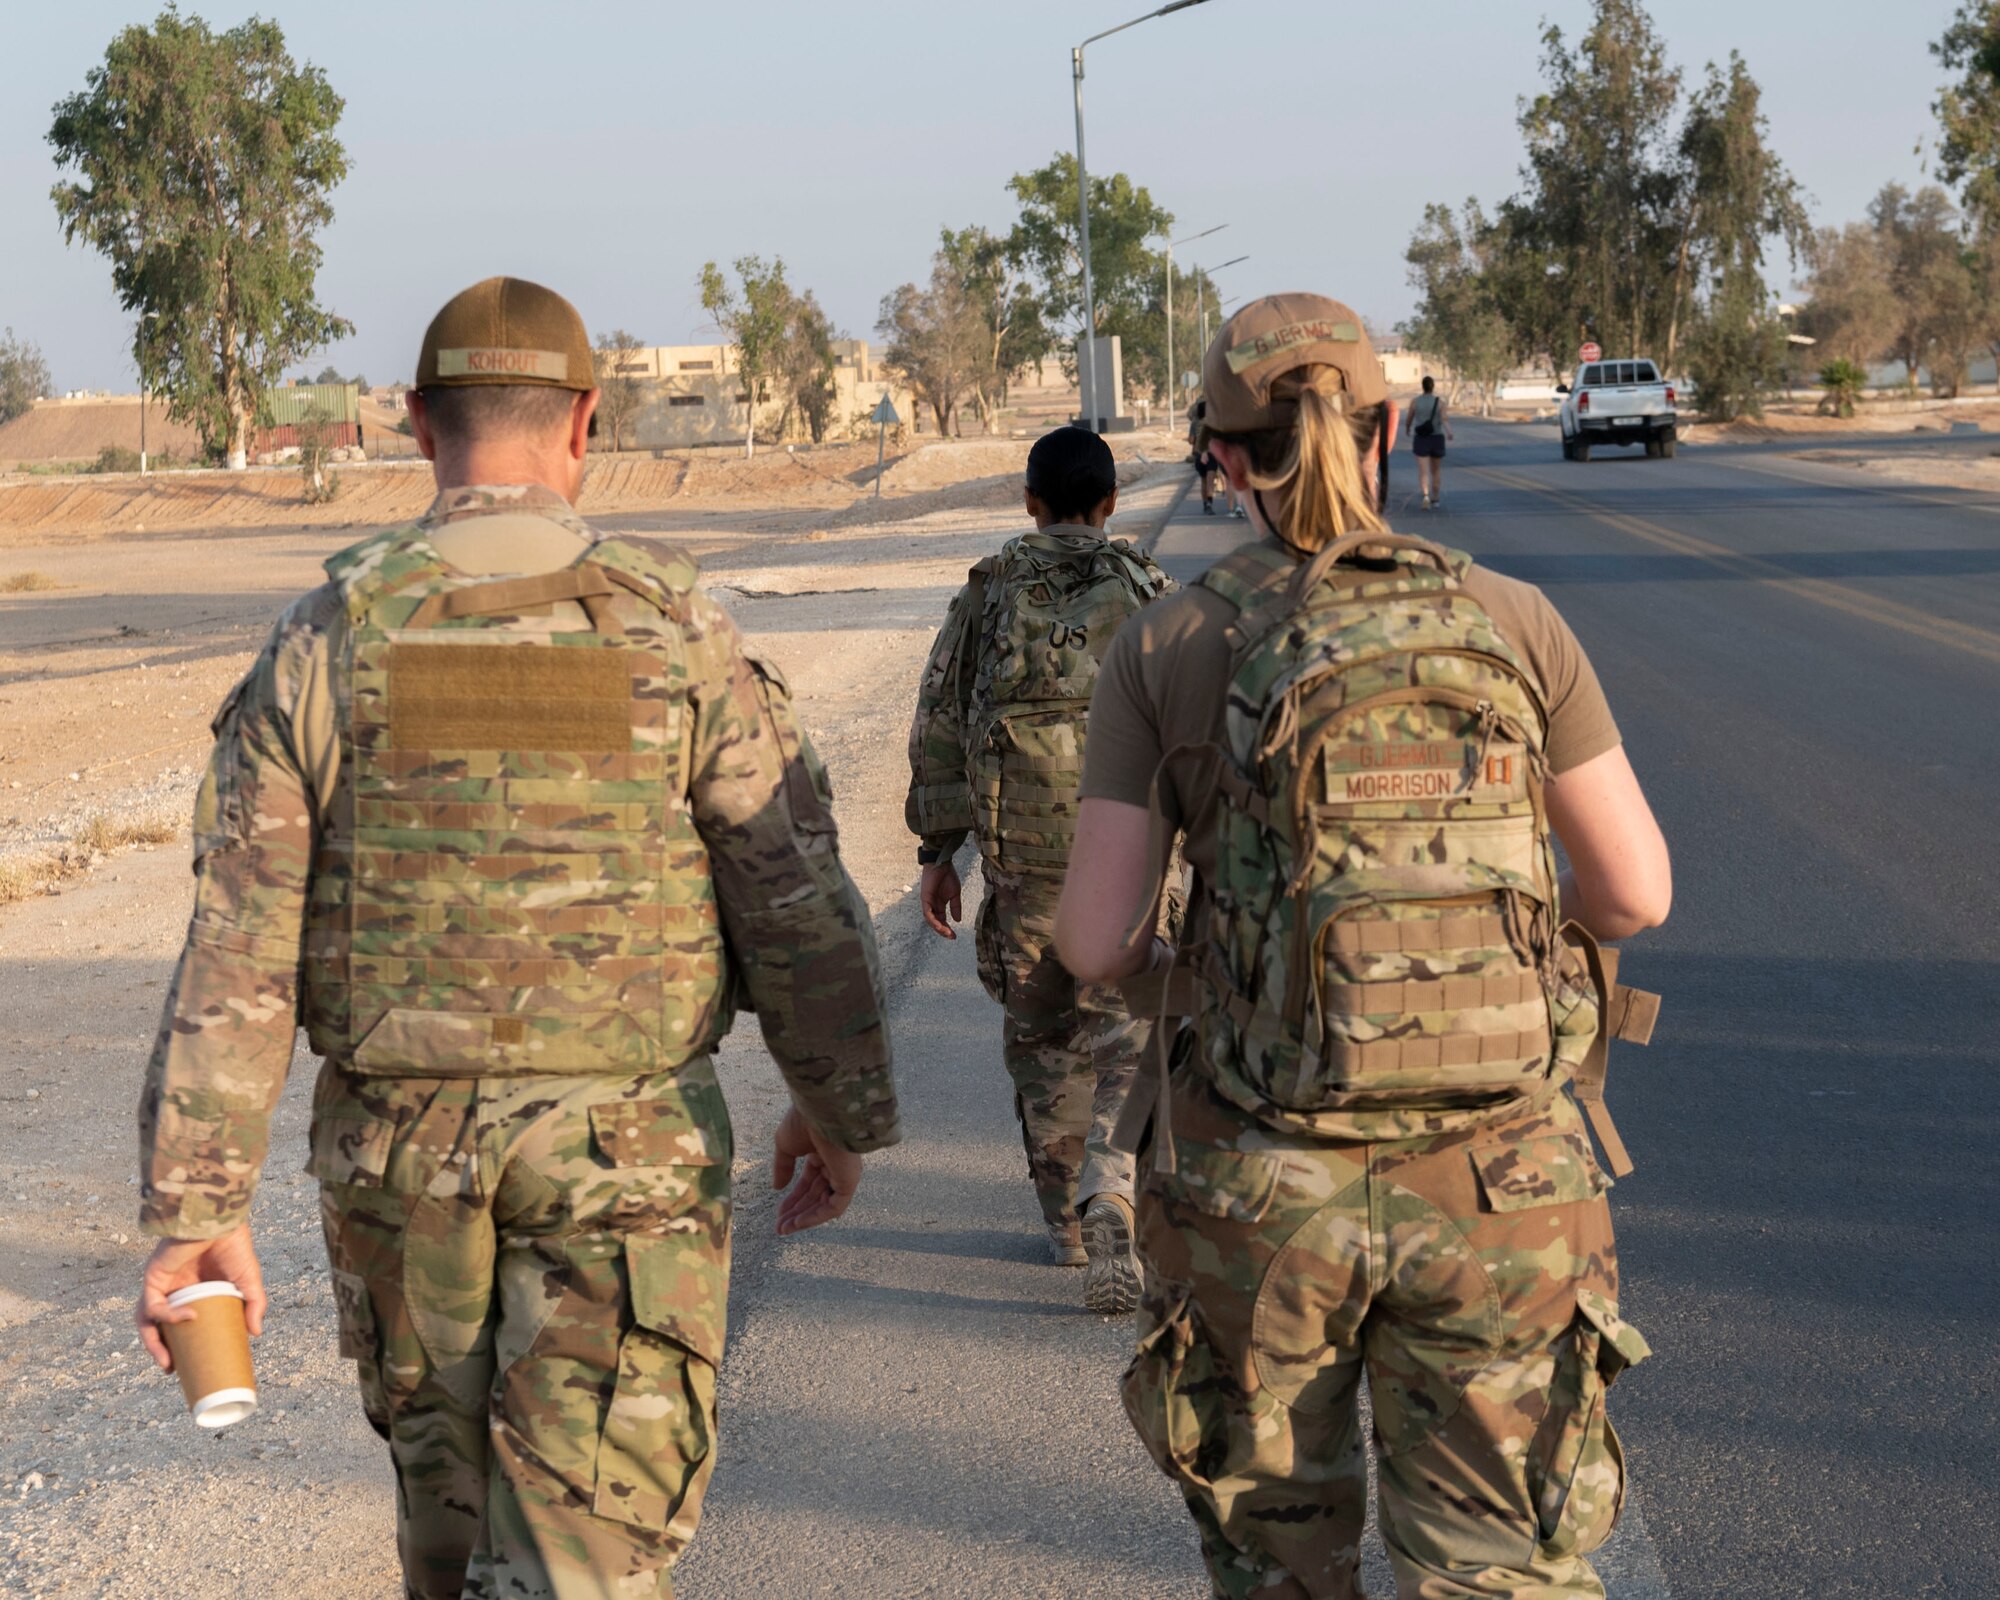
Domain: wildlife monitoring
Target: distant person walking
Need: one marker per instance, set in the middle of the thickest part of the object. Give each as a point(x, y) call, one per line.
point(1429, 428)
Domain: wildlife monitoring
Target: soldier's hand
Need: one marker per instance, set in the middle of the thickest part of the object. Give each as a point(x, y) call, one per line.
point(938, 893)
point(176, 1263)
point(827, 1175)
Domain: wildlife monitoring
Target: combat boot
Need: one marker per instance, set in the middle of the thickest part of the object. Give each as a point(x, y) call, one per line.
point(1112, 1289)
point(1066, 1244)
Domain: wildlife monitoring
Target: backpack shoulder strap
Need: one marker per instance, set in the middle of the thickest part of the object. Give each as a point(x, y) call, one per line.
point(965, 668)
point(1243, 576)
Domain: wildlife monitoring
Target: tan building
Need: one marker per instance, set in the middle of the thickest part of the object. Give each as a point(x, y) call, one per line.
point(691, 394)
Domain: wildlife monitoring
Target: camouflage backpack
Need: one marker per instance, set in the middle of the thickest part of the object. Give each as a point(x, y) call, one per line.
point(1046, 607)
point(1383, 929)
point(510, 879)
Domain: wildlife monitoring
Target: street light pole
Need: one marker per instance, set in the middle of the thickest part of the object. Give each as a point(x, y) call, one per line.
point(1089, 390)
point(1172, 381)
point(1200, 278)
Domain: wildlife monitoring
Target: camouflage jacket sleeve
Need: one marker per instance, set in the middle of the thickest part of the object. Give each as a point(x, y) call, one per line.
point(225, 1041)
point(938, 809)
point(799, 932)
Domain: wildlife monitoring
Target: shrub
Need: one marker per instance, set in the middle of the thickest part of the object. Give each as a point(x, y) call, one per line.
point(116, 458)
point(1843, 382)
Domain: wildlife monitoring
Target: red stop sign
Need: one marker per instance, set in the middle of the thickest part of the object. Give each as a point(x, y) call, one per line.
point(1591, 352)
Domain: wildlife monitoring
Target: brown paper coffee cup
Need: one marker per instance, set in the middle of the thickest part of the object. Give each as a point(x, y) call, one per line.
point(212, 1354)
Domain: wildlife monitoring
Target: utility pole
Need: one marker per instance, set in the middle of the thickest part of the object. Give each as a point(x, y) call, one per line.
point(1087, 378)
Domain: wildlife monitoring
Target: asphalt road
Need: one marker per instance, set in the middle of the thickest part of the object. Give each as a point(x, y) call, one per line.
point(1805, 661)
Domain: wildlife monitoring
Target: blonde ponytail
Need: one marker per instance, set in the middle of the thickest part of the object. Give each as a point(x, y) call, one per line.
point(1316, 467)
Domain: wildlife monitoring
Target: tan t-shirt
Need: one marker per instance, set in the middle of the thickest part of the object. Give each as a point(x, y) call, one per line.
point(1166, 677)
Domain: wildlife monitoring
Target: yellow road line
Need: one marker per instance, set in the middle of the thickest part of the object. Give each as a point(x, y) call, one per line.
point(1981, 642)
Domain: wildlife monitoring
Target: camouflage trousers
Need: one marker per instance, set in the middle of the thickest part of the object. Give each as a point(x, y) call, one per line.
point(1472, 1275)
point(1071, 1050)
point(531, 1275)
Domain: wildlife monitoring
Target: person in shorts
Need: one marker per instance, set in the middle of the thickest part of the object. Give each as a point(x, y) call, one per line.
point(1428, 428)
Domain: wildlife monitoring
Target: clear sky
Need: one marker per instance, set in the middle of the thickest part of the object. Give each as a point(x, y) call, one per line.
point(609, 149)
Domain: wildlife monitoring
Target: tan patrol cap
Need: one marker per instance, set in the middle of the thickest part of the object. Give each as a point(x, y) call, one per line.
point(506, 330)
point(1275, 339)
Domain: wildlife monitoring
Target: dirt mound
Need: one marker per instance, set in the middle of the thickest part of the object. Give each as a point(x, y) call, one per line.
point(998, 491)
point(56, 509)
point(75, 430)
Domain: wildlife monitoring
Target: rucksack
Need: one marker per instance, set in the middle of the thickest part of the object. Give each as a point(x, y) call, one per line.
point(1383, 921)
point(1042, 614)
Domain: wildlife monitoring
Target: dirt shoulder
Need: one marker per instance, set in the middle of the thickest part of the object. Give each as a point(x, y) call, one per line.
point(108, 1490)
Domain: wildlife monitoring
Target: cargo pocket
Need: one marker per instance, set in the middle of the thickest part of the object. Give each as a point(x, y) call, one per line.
point(1172, 1366)
point(1547, 1170)
point(1576, 1468)
point(986, 948)
point(1234, 1185)
point(653, 1456)
point(362, 1344)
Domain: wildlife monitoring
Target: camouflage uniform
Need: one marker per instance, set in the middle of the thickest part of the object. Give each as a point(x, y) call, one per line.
point(516, 964)
point(1367, 1155)
point(1471, 1272)
point(1071, 1049)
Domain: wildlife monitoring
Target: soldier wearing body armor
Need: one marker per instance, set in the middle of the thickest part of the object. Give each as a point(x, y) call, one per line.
point(507, 816)
point(1371, 1148)
point(996, 749)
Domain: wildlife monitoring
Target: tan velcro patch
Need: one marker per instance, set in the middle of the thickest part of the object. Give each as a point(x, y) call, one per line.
point(509, 697)
point(1316, 330)
point(550, 364)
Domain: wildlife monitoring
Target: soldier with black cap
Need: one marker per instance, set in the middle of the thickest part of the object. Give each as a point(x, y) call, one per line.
point(1370, 1149)
point(509, 818)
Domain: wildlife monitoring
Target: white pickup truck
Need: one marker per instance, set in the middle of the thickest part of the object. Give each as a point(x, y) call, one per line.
point(1616, 402)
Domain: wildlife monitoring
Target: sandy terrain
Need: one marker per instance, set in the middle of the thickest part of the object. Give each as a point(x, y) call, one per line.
point(75, 430)
point(106, 687)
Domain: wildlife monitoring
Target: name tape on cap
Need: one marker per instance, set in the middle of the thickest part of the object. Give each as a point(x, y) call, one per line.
point(1315, 330)
point(551, 364)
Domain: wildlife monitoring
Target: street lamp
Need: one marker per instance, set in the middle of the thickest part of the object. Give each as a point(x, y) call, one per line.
point(1201, 299)
point(1090, 389)
point(150, 316)
point(1172, 381)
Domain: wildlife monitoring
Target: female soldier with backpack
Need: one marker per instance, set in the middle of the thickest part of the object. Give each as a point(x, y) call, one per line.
point(1364, 1152)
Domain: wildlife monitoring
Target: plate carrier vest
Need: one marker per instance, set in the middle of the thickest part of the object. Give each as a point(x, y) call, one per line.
point(510, 880)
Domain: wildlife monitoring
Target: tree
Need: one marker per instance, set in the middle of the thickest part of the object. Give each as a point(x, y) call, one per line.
point(1736, 194)
point(1968, 111)
point(202, 162)
point(1046, 244)
point(994, 284)
point(755, 318)
point(24, 376)
point(936, 338)
point(1601, 185)
point(1736, 348)
point(1458, 321)
point(806, 365)
point(1853, 314)
point(617, 381)
point(1931, 275)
